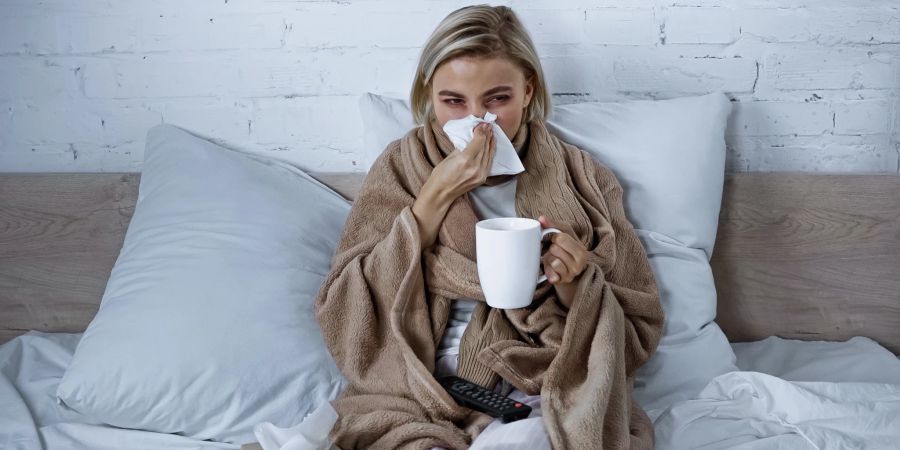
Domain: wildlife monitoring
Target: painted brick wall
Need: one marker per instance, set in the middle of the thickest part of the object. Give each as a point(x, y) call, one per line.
point(815, 83)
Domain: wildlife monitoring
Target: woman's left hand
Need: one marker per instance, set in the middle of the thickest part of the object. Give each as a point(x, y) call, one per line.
point(563, 262)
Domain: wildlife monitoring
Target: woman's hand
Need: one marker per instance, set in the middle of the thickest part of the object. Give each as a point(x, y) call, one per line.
point(458, 173)
point(563, 263)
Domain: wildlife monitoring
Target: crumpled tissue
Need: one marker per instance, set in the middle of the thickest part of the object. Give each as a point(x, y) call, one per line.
point(506, 160)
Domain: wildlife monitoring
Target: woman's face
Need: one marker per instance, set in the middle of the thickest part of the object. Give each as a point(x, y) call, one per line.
point(471, 85)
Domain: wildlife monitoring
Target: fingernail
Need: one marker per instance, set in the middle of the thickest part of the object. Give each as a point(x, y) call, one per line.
point(555, 263)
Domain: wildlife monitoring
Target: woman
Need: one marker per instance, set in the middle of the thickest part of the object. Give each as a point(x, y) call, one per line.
point(402, 303)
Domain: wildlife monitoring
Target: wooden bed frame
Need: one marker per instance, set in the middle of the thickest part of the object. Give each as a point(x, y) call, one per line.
point(798, 255)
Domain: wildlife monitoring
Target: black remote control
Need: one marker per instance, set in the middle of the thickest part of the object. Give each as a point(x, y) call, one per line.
point(476, 397)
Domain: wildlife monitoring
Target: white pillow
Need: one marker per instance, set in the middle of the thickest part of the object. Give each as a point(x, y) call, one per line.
point(206, 327)
point(384, 119)
point(693, 349)
point(669, 156)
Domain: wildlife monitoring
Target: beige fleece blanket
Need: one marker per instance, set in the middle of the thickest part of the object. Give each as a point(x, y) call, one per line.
point(384, 306)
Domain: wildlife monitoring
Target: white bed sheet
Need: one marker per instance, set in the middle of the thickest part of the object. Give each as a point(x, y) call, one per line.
point(788, 395)
point(31, 367)
point(793, 395)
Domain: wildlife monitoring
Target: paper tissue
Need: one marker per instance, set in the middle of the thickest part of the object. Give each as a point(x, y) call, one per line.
point(506, 160)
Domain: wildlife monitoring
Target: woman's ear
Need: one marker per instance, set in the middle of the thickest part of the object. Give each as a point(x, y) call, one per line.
point(529, 90)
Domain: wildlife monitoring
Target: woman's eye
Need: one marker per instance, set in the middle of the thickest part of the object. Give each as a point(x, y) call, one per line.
point(456, 101)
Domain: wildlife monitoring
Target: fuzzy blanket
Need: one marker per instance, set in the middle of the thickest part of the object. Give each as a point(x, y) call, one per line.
point(385, 303)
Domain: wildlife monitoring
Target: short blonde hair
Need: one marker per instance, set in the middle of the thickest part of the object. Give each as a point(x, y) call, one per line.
point(479, 31)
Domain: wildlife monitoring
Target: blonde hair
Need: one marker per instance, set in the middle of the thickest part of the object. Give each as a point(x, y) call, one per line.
point(479, 31)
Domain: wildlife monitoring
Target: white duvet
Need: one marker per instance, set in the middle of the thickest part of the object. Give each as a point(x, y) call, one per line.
point(789, 395)
point(752, 410)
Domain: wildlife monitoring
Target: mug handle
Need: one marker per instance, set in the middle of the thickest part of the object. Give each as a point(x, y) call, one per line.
point(542, 277)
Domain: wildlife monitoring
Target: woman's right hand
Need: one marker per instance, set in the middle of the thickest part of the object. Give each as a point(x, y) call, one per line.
point(457, 174)
point(460, 172)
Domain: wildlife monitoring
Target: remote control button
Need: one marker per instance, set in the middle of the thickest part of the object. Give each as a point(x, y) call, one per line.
point(518, 405)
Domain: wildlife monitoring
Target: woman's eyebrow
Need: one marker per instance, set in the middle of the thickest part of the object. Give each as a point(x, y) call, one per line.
point(490, 91)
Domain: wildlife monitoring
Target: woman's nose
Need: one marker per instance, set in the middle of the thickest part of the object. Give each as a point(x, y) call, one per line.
point(478, 111)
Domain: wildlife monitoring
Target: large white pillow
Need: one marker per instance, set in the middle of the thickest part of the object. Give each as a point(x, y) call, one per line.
point(669, 156)
point(693, 349)
point(206, 327)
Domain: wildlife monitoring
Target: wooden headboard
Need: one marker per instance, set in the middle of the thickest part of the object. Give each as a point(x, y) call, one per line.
point(798, 255)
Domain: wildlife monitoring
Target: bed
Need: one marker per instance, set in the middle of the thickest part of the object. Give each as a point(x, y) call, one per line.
point(806, 265)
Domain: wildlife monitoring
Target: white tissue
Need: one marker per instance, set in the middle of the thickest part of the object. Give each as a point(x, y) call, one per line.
point(506, 160)
point(310, 434)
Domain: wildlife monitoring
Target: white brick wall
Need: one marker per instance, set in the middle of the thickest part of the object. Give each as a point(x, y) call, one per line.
point(815, 83)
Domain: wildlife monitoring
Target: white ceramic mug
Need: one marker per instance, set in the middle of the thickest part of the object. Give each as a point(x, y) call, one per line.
point(508, 252)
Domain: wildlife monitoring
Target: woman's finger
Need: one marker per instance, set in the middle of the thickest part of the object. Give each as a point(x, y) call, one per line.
point(487, 154)
point(557, 266)
point(566, 274)
point(573, 247)
point(551, 274)
point(475, 149)
point(566, 260)
point(547, 223)
point(492, 146)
